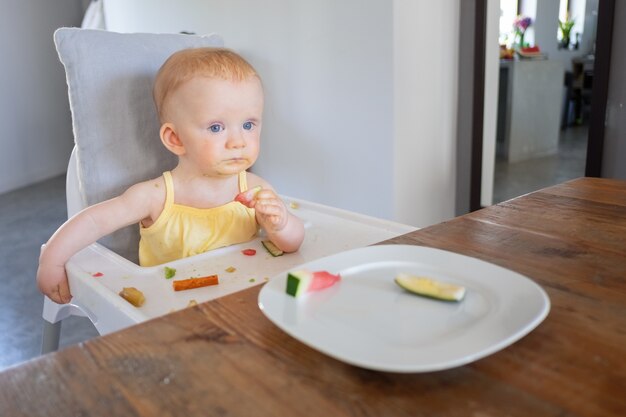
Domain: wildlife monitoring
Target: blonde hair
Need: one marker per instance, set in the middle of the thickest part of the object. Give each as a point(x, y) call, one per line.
point(186, 64)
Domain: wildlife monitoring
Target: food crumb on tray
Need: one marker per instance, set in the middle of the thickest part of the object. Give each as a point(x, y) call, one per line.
point(271, 248)
point(169, 272)
point(191, 283)
point(133, 296)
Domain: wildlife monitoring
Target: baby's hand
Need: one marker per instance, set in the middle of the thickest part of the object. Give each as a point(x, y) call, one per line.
point(52, 281)
point(271, 212)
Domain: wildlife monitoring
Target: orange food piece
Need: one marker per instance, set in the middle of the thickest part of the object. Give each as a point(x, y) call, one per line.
point(191, 283)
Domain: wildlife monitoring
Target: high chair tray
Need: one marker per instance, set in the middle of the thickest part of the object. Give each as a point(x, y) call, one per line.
point(97, 275)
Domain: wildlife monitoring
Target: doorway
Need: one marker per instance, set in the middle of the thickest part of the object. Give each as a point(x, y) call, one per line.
point(544, 95)
point(580, 120)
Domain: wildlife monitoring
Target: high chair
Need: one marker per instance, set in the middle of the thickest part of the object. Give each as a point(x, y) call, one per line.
point(109, 78)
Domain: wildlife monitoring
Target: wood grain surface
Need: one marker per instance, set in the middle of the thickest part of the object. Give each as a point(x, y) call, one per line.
point(224, 358)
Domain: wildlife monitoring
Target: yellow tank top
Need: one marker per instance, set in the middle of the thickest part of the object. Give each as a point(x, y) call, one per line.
point(182, 231)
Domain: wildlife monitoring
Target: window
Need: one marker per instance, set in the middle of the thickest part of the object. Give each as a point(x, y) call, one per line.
point(571, 23)
point(508, 12)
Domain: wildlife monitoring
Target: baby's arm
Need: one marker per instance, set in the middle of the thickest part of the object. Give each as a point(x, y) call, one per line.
point(86, 227)
point(284, 229)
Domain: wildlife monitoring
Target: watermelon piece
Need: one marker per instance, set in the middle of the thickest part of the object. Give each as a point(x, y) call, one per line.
point(298, 282)
point(247, 197)
point(302, 282)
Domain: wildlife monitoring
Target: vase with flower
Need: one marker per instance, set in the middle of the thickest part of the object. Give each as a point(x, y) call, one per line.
point(520, 24)
point(565, 27)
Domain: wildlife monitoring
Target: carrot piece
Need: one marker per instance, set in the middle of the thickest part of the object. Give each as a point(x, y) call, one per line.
point(190, 283)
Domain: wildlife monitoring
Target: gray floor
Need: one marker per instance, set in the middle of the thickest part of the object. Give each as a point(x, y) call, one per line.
point(27, 219)
point(512, 180)
point(30, 215)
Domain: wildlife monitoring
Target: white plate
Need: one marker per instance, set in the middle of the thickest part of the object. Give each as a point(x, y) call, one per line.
point(369, 321)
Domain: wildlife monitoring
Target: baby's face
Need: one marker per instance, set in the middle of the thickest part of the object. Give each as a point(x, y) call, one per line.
point(219, 123)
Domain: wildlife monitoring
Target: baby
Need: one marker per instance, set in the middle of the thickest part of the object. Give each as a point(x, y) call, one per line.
point(210, 104)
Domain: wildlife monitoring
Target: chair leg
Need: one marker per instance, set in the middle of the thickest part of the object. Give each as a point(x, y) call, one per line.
point(50, 336)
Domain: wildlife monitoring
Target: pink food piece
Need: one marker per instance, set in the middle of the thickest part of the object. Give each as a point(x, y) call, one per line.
point(247, 197)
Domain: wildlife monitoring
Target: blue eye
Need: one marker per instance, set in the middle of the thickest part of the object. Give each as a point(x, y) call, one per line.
point(248, 126)
point(215, 128)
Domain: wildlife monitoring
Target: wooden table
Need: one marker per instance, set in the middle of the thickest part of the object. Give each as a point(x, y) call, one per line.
point(224, 358)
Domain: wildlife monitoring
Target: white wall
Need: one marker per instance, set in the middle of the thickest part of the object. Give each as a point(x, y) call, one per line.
point(425, 62)
point(36, 137)
point(334, 73)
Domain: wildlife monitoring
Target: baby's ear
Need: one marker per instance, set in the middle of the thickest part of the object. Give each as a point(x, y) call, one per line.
point(170, 139)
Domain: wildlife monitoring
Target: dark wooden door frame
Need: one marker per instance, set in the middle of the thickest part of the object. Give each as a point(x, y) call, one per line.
point(595, 142)
point(478, 104)
point(600, 89)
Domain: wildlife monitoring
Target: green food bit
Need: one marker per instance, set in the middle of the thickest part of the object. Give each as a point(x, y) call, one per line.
point(169, 272)
point(271, 248)
point(251, 280)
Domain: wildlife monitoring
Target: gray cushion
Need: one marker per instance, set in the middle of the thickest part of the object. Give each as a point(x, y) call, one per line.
point(116, 128)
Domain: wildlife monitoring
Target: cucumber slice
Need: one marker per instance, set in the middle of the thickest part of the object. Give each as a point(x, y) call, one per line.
point(133, 296)
point(271, 248)
point(430, 288)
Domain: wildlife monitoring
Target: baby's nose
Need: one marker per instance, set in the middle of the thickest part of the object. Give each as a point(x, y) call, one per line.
point(235, 140)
